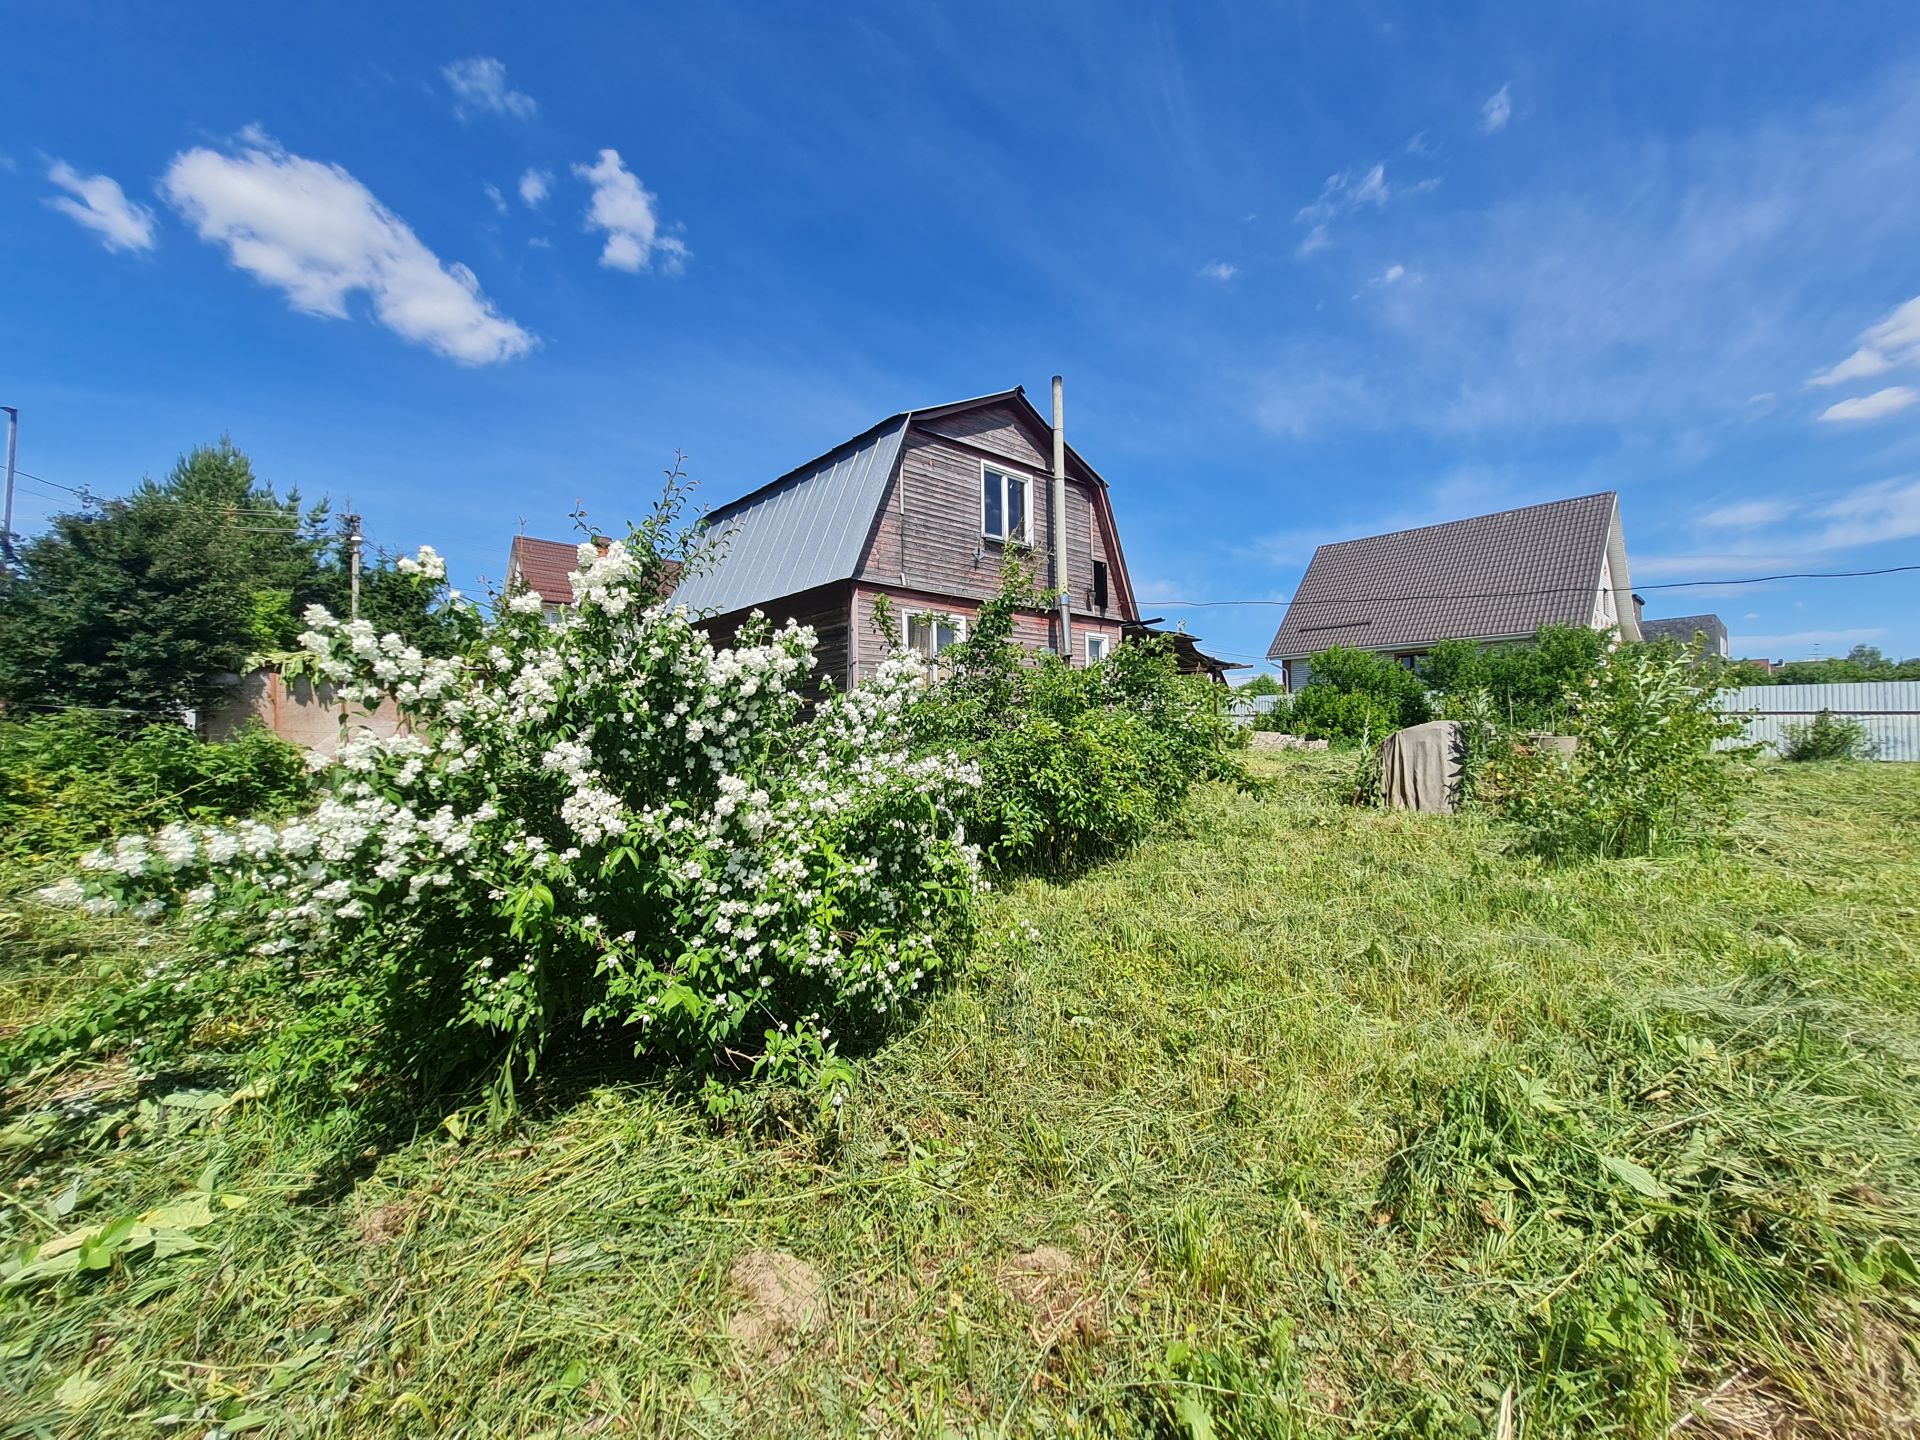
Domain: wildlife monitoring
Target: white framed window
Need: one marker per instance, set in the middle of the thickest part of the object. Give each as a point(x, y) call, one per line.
point(928, 632)
point(1006, 504)
point(1098, 647)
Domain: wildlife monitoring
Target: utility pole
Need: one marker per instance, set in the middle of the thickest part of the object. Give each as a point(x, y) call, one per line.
point(13, 445)
point(353, 567)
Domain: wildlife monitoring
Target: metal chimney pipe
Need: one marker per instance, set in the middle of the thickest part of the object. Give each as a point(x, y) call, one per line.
point(1060, 520)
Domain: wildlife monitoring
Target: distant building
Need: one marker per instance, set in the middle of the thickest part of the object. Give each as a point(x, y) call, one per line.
point(1687, 628)
point(1489, 578)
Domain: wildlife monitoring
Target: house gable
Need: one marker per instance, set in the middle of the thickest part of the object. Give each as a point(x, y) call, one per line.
point(1490, 577)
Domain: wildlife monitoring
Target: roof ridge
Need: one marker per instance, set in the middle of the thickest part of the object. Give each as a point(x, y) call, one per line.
point(1469, 519)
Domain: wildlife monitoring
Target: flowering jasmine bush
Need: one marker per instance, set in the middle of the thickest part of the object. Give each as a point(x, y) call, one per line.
point(603, 822)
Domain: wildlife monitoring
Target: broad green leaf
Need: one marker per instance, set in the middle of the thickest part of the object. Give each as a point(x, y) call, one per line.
point(1191, 1411)
point(1638, 1177)
point(78, 1390)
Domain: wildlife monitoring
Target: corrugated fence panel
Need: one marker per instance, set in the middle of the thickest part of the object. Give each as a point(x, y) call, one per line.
point(1890, 711)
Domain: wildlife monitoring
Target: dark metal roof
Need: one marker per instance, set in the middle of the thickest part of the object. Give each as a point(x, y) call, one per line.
point(1488, 577)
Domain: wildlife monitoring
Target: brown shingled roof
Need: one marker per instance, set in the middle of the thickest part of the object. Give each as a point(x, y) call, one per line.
point(1489, 577)
point(543, 566)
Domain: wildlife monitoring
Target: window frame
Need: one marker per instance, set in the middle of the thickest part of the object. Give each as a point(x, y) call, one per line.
point(1106, 646)
point(935, 619)
point(1006, 473)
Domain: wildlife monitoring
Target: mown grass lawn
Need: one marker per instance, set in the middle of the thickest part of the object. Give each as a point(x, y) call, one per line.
point(1300, 1120)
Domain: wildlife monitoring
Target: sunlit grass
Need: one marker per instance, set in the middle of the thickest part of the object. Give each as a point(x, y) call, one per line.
point(1298, 1120)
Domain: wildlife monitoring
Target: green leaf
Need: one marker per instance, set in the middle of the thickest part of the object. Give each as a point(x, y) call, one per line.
point(78, 1390)
point(1191, 1411)
point(1638, 1177)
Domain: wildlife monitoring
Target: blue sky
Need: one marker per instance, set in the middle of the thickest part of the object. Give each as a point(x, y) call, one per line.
point(1311, 272)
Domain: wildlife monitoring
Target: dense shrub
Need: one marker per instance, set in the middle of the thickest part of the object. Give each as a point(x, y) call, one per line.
point(1074, 763)
point(1358, 695)
point(1527, 682)
point(1828, 737)
point(604, 823)
point(70, 780)
point(1645, 775)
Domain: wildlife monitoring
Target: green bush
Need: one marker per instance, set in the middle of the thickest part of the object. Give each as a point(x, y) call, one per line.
point(1074, 764)
point(605, 826)
point(70, 780)
point(1828, 737)
point(1646, 775)
point(1360, 696)
point(1527, 682)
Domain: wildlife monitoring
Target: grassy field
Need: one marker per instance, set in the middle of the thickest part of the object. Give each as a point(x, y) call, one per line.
point(1300, 1120)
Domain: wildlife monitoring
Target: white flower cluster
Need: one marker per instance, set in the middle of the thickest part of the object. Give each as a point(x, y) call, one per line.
point(608, 807)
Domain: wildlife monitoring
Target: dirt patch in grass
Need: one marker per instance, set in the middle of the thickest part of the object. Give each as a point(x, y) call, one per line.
point(384, 1224)
point(786, 1302)
point(1048, 1283)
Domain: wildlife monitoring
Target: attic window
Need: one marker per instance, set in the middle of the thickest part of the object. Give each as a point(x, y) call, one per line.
point(1005, 513)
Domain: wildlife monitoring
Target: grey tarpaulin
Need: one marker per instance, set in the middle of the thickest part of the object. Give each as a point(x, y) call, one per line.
point(1420, 768)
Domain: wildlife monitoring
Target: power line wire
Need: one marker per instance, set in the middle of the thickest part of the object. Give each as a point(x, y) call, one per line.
point(1549, 590)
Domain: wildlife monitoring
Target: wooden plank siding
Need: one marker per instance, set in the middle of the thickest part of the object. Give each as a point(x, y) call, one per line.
point(926, 549)
point(826, 608)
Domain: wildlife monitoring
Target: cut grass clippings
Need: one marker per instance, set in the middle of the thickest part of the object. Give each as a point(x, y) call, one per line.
point(1299, 1120)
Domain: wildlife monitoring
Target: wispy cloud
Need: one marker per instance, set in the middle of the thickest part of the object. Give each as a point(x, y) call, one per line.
point(1609, 300)
point(493, 194)
point(1218, 270)
point(1830, 640)
point(1346, 193)
point(98, 202)
point(1894, 341)
point(1877, 406)
point(479, 85)
point(316, 234)
point(624, 209)
point(1498, 110)
point(535, 185)
point(1794, 534)
point(1748, 513)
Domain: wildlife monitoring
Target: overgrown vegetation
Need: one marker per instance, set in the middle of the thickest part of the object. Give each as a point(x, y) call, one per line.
point(1356, 695)
point(135, 608)
point(1296, 1120)
point(1645, 775)
point(1827, 737)
point(604, 825)
point(1863, 663)
point(1075, 764)
point(1527, 682)
point(69, 781)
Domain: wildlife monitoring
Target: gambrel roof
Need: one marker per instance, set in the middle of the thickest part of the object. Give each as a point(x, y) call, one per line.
point(810, 527)
point(1490, 577)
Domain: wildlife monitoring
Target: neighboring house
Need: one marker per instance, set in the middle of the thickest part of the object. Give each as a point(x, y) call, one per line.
point(1489, 578)
point(1686, 628)
point(922, 508)
point(543, 567)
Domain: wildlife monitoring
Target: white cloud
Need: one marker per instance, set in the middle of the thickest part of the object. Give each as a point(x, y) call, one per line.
point(316, 234)
point(1749, 513)
point(102, 206)
point(1828, 640)
point(479, 83)
point(1877, 406)
point(625, 210)
point(1497, 111)
point(534, 187)
point(1894, 341)
point(1871, 514)
point(1219, 270)
point(1394, 273)
point(1345, 193)
point(493, 194)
